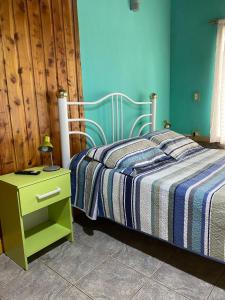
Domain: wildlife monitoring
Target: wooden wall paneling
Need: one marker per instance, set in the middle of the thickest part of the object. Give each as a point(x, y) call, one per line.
point(51, 75)
point(13, 82)
point(27, 79)
point(68, 23)
point(38, 65)
point(7, 157)
point(66, 67)
point(37, 51)
point(60, 43)
point(60, 49)
point(78, 68)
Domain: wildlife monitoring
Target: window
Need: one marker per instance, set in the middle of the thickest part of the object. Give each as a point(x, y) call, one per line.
point(217, 131)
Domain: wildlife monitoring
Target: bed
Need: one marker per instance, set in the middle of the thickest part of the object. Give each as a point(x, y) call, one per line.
point(160, 183)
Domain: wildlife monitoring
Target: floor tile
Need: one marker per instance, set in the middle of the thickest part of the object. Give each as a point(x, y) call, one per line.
point(72, 293)
point(135, 239)
point(8, 270)
point(155, 291)
point(74, 260)
point(138, 260)
point(120, 235)
point(201, 267)
point(190, 274)
point(102, 240)
point(183, 282)
point(218, 292)
point(78, 230)
point(142, 242)
point(108, 261)
point(39, 282)
point(111, 280)
point(82, 230)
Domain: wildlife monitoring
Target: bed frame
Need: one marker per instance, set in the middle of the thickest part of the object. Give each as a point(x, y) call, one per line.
point(117, 102)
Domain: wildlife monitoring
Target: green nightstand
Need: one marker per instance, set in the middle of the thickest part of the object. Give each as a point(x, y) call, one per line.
point(25, 196)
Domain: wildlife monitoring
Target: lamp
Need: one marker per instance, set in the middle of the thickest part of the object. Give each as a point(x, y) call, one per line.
point(167, 124)
point(47, 147)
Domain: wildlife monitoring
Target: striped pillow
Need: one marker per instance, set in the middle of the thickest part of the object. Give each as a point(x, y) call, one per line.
point(162, 136)
point(172, 143)
point(127, 153)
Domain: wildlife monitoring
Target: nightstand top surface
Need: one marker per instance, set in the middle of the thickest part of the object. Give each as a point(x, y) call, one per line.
point(21, 181)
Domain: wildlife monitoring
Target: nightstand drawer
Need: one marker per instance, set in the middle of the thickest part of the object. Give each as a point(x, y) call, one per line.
point(42, 194)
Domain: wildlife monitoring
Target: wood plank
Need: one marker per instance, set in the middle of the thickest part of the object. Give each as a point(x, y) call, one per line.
point(63, 54)
point(69, 33)
point(27, 79)
point(60, 49)
point(78, 69)
point(13, 82)
point(38, 61)
point(51, 75)
point(7, 158)
point(68, 24)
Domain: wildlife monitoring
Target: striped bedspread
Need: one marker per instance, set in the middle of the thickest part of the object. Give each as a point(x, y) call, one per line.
point(182, 202)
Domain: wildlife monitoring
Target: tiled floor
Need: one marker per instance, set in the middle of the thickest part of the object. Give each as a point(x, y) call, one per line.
point(107, 261)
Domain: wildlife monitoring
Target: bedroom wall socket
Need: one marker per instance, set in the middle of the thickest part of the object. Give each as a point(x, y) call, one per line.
point(197, 96)
point(134, 5)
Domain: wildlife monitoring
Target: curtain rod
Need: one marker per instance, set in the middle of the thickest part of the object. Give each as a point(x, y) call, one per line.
point(215, 21)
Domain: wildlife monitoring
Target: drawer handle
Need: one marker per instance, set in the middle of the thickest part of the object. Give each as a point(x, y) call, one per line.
point(52, 193)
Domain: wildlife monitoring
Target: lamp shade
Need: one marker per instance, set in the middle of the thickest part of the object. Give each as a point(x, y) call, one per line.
point(46, 146)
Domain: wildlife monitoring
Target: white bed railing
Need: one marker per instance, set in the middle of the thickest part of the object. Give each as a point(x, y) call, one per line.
point(117, 114)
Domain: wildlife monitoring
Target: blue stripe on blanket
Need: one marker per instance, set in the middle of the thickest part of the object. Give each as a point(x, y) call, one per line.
point(115, 145)
point(200, 198)
point(95, 190)
point(127, 200)
point(73, 167)
point(163, 221)
point(215, 186)
point(110, 193)
point(196, 203)
point(101, 211)
point(137, 204)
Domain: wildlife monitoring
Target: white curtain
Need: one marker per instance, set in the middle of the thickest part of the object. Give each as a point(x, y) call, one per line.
point(217, 130)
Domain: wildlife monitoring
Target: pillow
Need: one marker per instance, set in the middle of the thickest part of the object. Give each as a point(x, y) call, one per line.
point(127, 153)
point(148, 167)
point(162, 136)
point(172, 143)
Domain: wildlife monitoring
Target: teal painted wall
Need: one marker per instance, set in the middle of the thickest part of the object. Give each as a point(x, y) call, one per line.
point(193, 43)
point(126, 52)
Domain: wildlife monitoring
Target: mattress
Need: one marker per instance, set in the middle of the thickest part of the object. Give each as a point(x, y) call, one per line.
point(181, 202)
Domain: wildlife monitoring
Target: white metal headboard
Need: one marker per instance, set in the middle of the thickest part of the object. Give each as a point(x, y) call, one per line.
point(117, 100)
